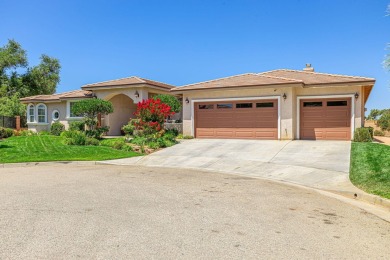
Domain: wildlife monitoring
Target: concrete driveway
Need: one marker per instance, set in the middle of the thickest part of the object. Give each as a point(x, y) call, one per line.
point(318, 164)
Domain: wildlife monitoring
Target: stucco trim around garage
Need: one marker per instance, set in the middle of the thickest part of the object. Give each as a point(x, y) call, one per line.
point(193, 101)
point(299, 98)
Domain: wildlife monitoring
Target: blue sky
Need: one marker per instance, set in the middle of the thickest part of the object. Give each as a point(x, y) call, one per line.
point(182, 42)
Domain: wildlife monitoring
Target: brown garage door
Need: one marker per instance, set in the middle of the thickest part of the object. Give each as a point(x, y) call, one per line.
point(325, 119)
point(237, 119)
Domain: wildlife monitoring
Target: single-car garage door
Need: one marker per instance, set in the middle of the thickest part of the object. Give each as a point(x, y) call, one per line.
point(325, 119)
point(253, 119)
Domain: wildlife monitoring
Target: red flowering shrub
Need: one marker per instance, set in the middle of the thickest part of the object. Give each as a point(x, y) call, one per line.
point(151, 114)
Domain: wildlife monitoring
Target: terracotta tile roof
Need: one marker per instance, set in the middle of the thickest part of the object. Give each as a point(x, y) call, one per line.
point(243, 80)
point(128, 81)
point(60, 96)
point(314, 78)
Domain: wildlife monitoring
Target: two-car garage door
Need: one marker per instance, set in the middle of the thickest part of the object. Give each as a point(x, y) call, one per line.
point(319, 119)
point(251, 119)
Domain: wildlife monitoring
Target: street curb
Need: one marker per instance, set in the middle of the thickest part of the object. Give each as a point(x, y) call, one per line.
point(363, 196)
point(15, 165)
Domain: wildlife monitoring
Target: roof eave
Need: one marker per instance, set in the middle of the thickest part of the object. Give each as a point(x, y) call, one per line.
point(178, 90)
point(341, 84)
point(139, 85)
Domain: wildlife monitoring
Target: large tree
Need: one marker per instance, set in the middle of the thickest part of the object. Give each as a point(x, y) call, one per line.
point(18, 80)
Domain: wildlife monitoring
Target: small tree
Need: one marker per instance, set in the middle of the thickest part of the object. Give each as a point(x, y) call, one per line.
point(151, 114)
point(169, 100)
point(90, 108)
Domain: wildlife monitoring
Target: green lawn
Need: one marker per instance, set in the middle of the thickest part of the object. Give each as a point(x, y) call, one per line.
point(44, 148)
point(370, 168)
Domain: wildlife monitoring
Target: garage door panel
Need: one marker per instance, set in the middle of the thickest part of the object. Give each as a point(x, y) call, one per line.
point(238, 121)
point(313, 124)
point(331, 122)
point(338, 134)
point(205, 132)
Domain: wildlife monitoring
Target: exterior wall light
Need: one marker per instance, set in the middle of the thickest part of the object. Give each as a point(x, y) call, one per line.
point(284, 96)
point(136, 94)
point(356, 95)
point(187, 101)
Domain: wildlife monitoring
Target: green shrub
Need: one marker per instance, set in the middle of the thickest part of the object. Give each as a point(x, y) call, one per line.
point(118, 144)
point(172, 131)
point(130, 127)
point(379, 133)
point(98, 132)
point(92, 141)
point(127, 148)
point(181, 136)
point(27, 133)
point(153, 145)
point(74, 137)
point(57, 128)
point(362, 135)
point(76, 126)
point(139, 140)
point(44, 132)
point(371, 130)
point(6, 132)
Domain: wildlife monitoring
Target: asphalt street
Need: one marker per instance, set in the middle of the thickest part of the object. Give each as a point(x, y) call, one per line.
point(136, 212)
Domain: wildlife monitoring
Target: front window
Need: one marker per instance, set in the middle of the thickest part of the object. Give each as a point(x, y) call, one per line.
point(72, 114)
point(41, 113)
point(56, 115)
point(31, 113)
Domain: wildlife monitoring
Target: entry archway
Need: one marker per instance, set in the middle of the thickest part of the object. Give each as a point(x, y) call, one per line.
point(124, 108)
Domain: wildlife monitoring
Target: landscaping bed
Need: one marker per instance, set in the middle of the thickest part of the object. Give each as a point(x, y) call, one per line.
point(44, 148)
point(370, 168)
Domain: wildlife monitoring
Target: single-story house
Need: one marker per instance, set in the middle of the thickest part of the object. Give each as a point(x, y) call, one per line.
point(278, 104)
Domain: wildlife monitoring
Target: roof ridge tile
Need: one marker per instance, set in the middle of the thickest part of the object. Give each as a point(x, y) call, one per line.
point(112, 80)
point(326, 74)
point(212, 80)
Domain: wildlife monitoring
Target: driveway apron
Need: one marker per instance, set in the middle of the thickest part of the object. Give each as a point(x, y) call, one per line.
point(316, 164)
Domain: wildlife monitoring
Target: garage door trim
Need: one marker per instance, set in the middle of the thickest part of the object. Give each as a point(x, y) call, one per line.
point(351, 96)
point(193, 101)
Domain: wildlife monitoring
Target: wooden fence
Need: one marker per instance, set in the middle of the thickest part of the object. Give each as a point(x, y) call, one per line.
point(16, 122)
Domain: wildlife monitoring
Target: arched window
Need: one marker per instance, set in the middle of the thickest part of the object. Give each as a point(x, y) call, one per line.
point(31, 113)
point(42, 113)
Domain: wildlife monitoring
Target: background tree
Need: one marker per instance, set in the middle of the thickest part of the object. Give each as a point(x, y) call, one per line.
point(384, 121)
point(17, 80)
point(374, 114)
point(90, 108)
point(169, 100)
point(11, 106)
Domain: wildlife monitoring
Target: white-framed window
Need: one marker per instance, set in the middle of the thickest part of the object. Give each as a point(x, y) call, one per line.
point(69, 113)
point(42, 113)
point(30, 113)
point(55, 115)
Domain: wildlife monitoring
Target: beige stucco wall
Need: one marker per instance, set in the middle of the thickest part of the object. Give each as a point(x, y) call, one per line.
point(60, 106)
point(124, 109)
point(288, 107)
